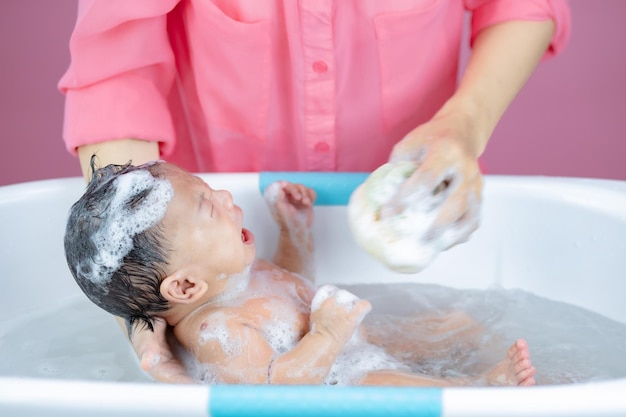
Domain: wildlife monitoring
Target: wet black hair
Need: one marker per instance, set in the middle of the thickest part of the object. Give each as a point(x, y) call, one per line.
point(133, 291)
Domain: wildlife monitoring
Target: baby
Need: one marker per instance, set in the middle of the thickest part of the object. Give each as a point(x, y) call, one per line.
point(154, 241)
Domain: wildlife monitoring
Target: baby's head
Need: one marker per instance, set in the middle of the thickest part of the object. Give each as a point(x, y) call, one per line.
point(113, 244)
point(143, 239)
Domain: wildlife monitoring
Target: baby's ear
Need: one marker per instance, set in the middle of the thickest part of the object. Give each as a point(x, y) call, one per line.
point(182, 289)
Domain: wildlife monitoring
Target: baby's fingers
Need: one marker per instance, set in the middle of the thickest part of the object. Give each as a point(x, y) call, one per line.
point(361, 309)
point(323, 293)
point(351, 303)
point(329, 295)
point(299, 194)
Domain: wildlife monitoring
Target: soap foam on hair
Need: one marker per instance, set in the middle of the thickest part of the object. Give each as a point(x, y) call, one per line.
point(122, 223)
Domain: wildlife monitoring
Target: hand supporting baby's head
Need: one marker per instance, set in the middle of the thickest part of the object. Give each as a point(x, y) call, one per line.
point(113, 244)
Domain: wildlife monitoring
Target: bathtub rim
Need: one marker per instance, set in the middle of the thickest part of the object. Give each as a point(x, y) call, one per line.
point(155, 399)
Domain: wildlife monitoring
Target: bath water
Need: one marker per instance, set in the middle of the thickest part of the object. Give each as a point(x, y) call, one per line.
point(437, 330)
point(568, 344)
point(74, 340)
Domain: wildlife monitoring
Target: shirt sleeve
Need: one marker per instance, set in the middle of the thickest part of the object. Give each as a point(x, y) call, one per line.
point(122, 69)
point(489, 12)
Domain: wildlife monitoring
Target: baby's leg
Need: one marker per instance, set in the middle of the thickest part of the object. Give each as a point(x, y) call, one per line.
point(515, 369)
point(425, 337)
point(405, 379)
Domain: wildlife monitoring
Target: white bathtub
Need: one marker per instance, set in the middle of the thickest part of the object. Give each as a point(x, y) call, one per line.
point(564, 239)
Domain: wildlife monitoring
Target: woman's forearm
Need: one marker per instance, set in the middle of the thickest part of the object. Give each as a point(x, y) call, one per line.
point(119, 152)
point(503, 58)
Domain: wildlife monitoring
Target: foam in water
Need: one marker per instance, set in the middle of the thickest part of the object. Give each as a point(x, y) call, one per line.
point(114, 240)
point(568, 344)
point(357, 359)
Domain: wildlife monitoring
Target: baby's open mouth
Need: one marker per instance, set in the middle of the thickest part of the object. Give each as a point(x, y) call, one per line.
point(247, 236)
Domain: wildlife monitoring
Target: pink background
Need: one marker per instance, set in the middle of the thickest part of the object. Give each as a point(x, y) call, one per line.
point(570, 120)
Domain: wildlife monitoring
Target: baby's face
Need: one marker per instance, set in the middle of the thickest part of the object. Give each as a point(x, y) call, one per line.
point(205, 229)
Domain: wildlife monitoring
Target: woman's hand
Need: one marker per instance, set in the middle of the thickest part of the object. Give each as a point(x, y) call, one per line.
point(447, 173)
point(426, 199)
point(156, 356)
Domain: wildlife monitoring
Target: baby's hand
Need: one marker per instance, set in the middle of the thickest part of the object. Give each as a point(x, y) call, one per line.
point(337, 313)
point(291, 204)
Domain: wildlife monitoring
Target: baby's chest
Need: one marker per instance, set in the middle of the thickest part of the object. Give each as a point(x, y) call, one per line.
point(282, 323)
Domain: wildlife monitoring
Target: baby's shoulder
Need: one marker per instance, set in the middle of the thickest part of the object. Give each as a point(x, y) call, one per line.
point(264, 269)
point(261, 265)
point(267, 272)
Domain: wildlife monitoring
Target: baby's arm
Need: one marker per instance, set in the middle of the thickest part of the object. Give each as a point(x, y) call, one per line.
point(335, 316)
point(241, 354)
point(291, 206)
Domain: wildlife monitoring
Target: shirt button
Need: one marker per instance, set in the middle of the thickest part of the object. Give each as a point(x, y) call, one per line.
point(320, 67)
point(322, 147)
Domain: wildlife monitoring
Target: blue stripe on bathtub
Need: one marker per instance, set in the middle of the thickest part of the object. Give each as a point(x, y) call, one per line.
point(309, 401)
point(332, 188)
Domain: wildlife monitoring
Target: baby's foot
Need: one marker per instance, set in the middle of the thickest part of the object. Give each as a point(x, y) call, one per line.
point(516, 369)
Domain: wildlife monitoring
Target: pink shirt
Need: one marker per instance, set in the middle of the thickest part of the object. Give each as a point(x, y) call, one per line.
point(252, 85)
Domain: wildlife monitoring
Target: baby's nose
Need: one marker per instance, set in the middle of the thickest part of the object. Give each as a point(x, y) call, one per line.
point(226, 198)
